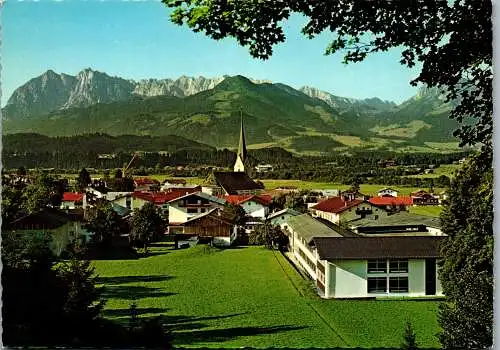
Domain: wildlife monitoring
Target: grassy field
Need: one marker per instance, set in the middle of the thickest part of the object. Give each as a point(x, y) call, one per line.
point(427, 210)
point(367, 189)
point(445, 169)
point(250, 297)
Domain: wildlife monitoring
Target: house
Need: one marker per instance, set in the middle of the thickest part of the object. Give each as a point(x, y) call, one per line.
point(263, 168)
point(236, 183)
point(342, 208)
point(64, 227)
point(361, 267)
point(301, 230)
point(177, 183)
point(183, 208)
point(254, 205)
point(216, 224)
point(402, 223)
point(391, 203)
point(146, 184)
point(281, 217)
point(159, 199)
point(387, 163)
point(344, 264)
point(422, 197)
point(387, 192)
point(72, 200)
point(251, 223)
point(287, 189)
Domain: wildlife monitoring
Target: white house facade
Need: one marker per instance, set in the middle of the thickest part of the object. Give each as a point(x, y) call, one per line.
point(187, 207)
point(343, 264)
point(387, 191)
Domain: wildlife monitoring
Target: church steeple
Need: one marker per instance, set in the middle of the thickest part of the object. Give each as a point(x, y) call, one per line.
point(242, 149)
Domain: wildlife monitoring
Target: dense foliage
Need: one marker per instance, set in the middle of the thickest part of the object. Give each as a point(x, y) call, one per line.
point(467, 268)
point(146, 225)
point(268, 235)
point(42, 191)
point(103, 221)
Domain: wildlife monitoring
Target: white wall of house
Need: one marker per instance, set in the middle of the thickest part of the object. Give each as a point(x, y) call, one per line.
point(332, 217)
point(256, 211)
point(178, 215)
point(388, 191)
point(347, 279)
point(280, 220)
point(69, 205)
point(416, 277)
point(303, 253)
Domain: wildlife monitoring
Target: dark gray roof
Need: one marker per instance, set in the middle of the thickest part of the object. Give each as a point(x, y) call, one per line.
point(403, 247)
point(398, 219)
point(46, 218)
point(120, 209)
point(232, 182)
point(283, 212)
point(308, 228)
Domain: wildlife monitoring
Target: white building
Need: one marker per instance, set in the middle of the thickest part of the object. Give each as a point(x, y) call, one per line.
point(387, 191)
point(344, 264)
point(360, 267)
point(340, 208)
point(256, 206)
point(189, 206)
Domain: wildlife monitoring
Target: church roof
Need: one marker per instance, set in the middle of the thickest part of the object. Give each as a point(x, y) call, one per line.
point(232, 182)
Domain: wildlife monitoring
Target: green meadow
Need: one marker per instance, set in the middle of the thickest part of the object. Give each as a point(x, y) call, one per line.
point(252, 297)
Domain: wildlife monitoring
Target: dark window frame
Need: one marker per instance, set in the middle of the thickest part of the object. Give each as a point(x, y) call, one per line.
point(379, 287)
point(377, 266)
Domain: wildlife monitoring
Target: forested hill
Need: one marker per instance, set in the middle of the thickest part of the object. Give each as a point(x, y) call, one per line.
point(98, 143)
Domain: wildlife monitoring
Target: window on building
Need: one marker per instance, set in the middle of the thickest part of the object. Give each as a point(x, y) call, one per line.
point(398, 284)
point(192, 210)
point(377, 284)
point(202, 210)
point(377, 266)
point(396, 266)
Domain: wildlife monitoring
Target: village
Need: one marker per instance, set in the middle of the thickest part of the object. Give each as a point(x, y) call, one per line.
point(349, 244)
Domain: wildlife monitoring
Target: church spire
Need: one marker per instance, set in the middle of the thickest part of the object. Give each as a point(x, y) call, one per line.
point(242, 149)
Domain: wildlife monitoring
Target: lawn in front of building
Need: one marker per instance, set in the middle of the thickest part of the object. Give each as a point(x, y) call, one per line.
point(252, 297)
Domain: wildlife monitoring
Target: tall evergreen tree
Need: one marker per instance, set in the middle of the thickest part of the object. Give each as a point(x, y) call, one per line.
point(83, 179)
point(466, 271)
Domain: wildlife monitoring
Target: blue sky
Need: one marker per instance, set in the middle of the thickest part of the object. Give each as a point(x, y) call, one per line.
point(136, 40)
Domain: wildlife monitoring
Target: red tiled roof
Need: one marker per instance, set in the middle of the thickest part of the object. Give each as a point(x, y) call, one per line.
point(145, 181)
point(400, 200)
point(336, 204)
point(72, 196)
point(159, 198)
point(239, 199)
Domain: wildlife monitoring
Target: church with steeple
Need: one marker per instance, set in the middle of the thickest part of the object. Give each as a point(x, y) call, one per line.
point(239, 165)
point(235, 182)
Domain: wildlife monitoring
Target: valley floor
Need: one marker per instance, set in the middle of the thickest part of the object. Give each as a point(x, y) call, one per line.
point(252, 297)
